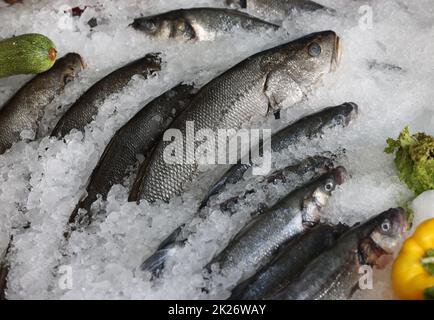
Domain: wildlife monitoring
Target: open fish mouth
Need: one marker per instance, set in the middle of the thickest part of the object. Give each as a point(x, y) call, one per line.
point(337, 54)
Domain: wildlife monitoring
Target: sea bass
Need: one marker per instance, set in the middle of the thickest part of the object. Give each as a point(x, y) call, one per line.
point(308, 127)
point(137, 137)
point(334, 275)
point(87, 106)
point(258, 242)
point(256, 86)
point(275, 10)
point(26, 108)
point(289, 263)
point(199, 24)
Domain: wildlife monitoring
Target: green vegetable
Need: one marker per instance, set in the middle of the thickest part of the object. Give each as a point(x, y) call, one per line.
point(414, 159)
point(429, 294)
point(26, 54)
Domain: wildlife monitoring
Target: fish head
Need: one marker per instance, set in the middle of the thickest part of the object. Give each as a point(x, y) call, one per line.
point(388, 232)
point(314, 55)
point(341, 115)
point(67, 68)
point(164, 27)
point(320, 193)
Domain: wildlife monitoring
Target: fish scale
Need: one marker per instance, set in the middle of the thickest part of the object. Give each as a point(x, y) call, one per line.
point(248, 89)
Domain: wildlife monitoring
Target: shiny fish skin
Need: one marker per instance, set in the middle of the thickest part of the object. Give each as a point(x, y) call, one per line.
point(293, 177)
point(290, 262)
point(26, 108)
point(308, 127)
point(334, 275)
point(87, 106)
point(256, 86)
point(137, 137)
point(258, 242)
point(276, 10)
point(199, 24)
point(4, 270)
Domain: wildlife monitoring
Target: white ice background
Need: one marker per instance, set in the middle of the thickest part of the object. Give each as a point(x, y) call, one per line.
point(41, 181)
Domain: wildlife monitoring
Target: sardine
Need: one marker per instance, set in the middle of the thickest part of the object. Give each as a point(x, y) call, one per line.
point(256, 86)
point(258, 242)
point(87, 106)
point(290, 262)
point(137, 137)
point(199, 24)
point(293, 177)
point(26, 108)
point(335, 274)
point(275, 10)
point(308, 127)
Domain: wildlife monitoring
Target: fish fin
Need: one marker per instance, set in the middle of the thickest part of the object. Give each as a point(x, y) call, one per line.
point(172, 238)
point(156, 262)
point(353, 290)
point(276, 91)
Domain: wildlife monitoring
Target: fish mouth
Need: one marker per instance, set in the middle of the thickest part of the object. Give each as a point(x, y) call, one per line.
point(337, 54)
point(340, 175)
point(353, 113)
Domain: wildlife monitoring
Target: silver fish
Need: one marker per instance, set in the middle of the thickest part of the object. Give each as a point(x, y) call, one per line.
point(258, 242)
point(26, 108)
point(4, 269)
point(199, 24)
point(137, 137)
point(87, 106)
point(256, 86)
point(275, 10)
point(335, 273)
point(289, 263)
point(309, 127)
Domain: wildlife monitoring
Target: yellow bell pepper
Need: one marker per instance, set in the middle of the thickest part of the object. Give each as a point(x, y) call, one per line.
point(413, 270)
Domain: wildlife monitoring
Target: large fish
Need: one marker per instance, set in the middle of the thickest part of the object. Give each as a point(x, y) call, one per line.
point(199, 24)
point(137, 137)
point(336, 273)
point(308, 127)
point(87, 106)
point(26, 108)
point(275, 10)
point(290, 262)
point(256, 86)
point(258, 242)
point(292, 177)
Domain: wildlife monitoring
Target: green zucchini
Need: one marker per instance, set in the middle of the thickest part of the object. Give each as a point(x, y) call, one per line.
point(26, 54)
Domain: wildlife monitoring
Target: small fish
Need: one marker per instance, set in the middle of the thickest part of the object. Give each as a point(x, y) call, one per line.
point(335, 273)
point(289, 263)
point(26, 108)
point(258, 242)
point(275, 10)
point(83, 111)
point(137, 137)
point(308, 127)
point(256, 86)
point(199, 24)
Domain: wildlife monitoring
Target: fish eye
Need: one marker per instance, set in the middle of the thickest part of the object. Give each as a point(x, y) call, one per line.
point(150, 26)
point(329, 186)
point(314, 49)
point(67, 78)
point(386, 226)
